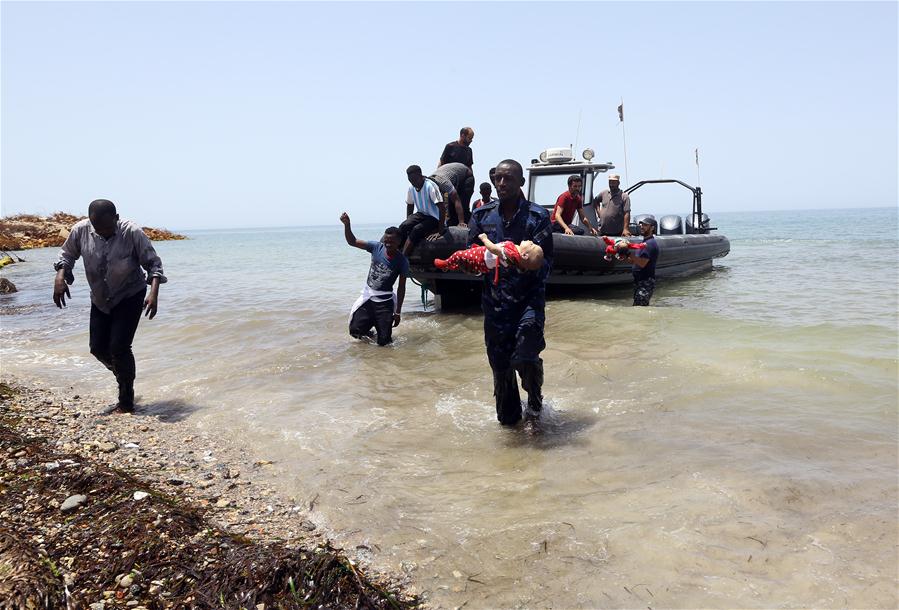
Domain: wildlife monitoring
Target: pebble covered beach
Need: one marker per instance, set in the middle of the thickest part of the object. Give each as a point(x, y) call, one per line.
point(145, 511)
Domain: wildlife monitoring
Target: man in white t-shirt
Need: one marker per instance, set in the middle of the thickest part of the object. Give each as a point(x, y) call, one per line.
point(425, 211)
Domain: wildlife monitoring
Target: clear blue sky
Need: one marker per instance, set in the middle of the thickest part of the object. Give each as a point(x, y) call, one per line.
point(225, 114)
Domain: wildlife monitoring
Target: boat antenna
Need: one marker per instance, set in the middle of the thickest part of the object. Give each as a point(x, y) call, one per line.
point(696, 153)
point(578, 132)
point(623, 139)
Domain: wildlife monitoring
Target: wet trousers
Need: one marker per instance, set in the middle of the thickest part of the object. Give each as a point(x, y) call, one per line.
point(111, 335)
point(643, 290)
point(373, 314)
point(514, 340)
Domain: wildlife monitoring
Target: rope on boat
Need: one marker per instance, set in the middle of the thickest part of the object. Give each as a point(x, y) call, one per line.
point(424, 293)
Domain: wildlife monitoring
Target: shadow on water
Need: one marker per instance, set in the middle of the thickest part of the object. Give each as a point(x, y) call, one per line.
point(552, 430)
point(168, 411)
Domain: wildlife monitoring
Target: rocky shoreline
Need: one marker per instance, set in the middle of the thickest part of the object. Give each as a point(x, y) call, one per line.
point(144, 511)
point(27, 231)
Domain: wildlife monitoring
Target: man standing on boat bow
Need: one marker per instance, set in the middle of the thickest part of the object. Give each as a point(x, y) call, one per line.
point(613, 209)
point(514, 308)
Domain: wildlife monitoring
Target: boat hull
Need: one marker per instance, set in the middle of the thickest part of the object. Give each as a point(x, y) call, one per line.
point(577, 260)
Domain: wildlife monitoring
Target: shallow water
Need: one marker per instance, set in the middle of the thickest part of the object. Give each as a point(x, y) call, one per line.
point(733, 445)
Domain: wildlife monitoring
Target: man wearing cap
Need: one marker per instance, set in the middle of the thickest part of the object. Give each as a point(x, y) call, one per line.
point(644, 262)
point(613, 208)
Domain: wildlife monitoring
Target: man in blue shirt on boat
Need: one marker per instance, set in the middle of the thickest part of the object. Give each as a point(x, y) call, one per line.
point(514, 307)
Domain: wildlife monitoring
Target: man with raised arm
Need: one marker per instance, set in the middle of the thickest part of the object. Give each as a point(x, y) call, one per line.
point(514, 306)
point(114, 251)
point(377, 307)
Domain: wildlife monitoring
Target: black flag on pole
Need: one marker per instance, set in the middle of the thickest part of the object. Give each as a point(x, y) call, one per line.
point(697, 157)
point(621, 112)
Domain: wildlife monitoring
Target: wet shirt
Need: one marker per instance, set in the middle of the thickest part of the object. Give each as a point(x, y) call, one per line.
point(610, 209)
point(450, 177)
point(515, 287)
point(651, 251)
point(457, 153)
point(384, 270)
point(112, 266)
point(569, 205)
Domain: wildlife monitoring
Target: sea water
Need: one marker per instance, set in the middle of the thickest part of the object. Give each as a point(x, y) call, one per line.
point(734, 444)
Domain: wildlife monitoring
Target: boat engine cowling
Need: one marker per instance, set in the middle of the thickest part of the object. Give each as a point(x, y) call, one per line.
point(633, 228)
point(671, 225)
point(697, 225)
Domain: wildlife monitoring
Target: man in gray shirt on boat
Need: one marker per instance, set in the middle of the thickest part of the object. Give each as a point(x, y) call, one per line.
point(113, 251)
point(613, 209)
point(456, 182)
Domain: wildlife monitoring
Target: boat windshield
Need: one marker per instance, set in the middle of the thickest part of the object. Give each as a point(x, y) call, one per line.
point(546, 188)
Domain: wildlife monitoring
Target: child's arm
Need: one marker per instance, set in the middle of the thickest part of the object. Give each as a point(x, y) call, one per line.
point(492, 247)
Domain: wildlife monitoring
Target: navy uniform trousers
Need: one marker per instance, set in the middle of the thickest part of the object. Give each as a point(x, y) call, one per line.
point(514, 339)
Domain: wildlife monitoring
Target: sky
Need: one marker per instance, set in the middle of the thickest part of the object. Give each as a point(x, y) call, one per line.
point(231, 114)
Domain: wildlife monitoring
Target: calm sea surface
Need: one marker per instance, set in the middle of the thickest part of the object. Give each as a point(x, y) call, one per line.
point(734, 445)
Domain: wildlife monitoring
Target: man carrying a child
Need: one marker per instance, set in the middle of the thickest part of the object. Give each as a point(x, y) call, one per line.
point(514, 306)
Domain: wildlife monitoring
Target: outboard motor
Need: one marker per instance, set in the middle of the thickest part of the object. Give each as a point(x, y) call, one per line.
point(671, 225)
point(702, 226)
point(634, 220)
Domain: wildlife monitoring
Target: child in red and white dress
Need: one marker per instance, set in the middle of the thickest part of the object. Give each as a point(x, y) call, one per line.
point(526, 256)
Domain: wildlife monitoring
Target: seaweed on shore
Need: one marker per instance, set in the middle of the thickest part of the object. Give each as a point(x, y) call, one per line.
point(156, 549)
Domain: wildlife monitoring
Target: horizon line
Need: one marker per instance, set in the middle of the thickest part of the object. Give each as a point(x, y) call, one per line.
point(379, 223)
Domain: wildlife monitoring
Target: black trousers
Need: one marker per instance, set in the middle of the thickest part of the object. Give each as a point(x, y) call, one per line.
point(643, 290)
point(110, 341)
point(514, 339)
point(557, 228)
point(373, 314)
point(465, 192)
point(417, 227)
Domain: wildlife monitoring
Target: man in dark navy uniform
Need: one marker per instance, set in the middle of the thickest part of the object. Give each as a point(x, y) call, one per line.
point(644, 262)
point(514, 308)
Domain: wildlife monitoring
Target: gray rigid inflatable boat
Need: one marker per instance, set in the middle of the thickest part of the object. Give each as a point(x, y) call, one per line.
point(686, 244)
